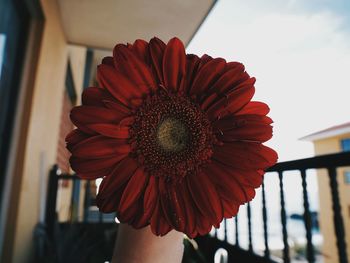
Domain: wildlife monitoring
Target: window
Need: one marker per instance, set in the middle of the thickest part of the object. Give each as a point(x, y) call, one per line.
point(14, 25)
point(345, 145)
point(347, 177)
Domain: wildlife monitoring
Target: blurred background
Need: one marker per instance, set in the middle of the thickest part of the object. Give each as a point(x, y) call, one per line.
point(299, 51)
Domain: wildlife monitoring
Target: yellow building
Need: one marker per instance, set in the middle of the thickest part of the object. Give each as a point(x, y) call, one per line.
point(48, 52)
point(333, 140)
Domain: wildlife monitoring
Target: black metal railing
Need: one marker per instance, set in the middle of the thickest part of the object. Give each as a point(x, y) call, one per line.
point(90, 212)
point(329, 162)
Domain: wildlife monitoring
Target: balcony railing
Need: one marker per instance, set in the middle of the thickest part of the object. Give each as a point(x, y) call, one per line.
point(329, 162)
point(211, 244)
point(90, 212)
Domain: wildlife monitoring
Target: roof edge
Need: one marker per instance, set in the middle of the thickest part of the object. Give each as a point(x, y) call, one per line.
point(327, 133)
point(211, 7)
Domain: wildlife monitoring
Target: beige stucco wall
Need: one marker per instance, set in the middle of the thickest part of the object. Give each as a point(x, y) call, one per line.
point(326, 146)
point(43, 129)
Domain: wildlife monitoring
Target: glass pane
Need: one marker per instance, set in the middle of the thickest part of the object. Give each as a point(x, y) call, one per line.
point(347, 177)
point(2, 50)
point(345, 144)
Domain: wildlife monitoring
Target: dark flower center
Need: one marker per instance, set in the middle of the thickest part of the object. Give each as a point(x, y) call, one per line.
point(171, 136)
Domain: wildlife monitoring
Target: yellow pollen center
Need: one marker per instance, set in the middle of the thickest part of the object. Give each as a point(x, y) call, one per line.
point(172, 135)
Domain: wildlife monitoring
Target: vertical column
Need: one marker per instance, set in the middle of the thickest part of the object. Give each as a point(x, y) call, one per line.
point(249, 215)
point(286, 257)
point(307, 219)
point(237, 231)
point(264, 215)
point(337, 217)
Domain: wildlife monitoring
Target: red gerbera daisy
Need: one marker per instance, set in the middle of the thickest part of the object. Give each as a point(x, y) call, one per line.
point(176, 138)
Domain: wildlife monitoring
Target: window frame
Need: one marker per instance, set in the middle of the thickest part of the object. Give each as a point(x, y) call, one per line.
point(13, 158)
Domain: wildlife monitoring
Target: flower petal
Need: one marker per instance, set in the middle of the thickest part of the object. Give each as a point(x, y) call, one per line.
point(150, 199)
point(134, 189)
point(81, 165)
point(174, 64)
point(117, 106)
point(157, 48)
point(204, 60)
point(110, 130)
point(250, 132)
point(244, 128)
point(132, 212)
point(92, 120)
point(205, 196)
point(236, 121)
point(253, 178)
point(230, 209)
point(133, 68)
point(109, 203)
point(188, 206)
point(82, 115)
point(98, 146)
point(207, 75)
point(231, 78)
point(108, 61)
point(118, 177)
point(234, 75)
point(234, 101)
point(74, 137)
point(94, 96)
point(172, 205)
point(151, 194)
point(142, 219)
point(192, 64)
point(159, 225)
point(203, 225)
point(122, 88)
point(254, 107)
point(92, 175)
point(140, 48)
point(229, 184)
point(245, 155)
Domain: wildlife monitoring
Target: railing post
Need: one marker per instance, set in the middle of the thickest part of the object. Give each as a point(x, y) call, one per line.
point(50, 216)
point(225, 229)
point(264, 214)
point(74, 202)
point(87, 200)
point(236, 234)
point(100, 217)
point(307, 219)
point(249, 215)
point(286, 257)
point(337, 217)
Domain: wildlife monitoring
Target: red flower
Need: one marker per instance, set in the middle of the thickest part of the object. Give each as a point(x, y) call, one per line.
point(174, 136)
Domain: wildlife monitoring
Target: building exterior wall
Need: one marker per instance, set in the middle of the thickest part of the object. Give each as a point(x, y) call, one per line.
point(65, 127)
point(327, 146)
point(64, 195)
point(43, 131)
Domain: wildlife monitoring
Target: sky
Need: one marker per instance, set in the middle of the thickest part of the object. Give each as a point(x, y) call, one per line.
point(299, 52)
point(300, 55)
